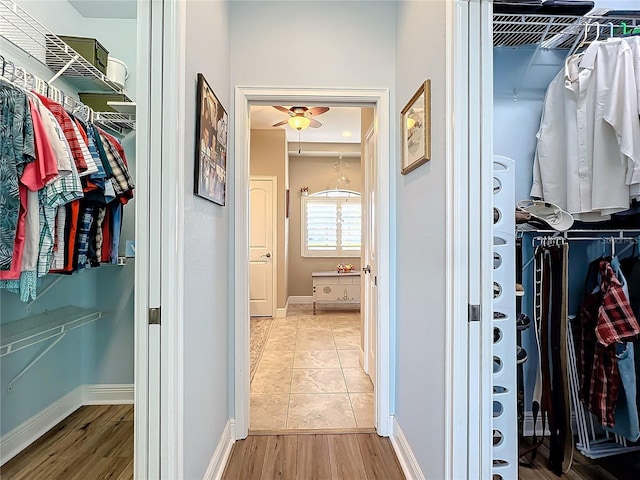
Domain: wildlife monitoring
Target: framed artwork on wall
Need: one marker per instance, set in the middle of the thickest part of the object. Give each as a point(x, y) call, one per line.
point(210, 180)
point(416, 129)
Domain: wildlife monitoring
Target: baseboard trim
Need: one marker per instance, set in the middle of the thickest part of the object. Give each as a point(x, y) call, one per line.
point(221, 454)
point(300, 300)
point(282, 312)
point(114, 394)
point(13, 442)
point(25, 434)
point(407, 459)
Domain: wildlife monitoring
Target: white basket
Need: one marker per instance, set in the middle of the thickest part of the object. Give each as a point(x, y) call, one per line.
point(117, 71)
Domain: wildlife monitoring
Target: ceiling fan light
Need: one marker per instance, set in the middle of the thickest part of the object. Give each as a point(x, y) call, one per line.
point(299, 122)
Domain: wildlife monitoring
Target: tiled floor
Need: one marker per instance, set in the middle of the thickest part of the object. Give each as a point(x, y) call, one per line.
point(309, 375)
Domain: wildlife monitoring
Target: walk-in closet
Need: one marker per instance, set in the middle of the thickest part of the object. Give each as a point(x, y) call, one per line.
point(566, 235)
point(67, 208)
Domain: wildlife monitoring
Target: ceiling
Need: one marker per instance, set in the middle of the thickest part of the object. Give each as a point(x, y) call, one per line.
point(334, 122)
point(106, 8)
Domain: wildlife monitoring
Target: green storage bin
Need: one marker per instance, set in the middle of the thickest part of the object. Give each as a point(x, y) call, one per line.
point(98, 101)
point(90, 49)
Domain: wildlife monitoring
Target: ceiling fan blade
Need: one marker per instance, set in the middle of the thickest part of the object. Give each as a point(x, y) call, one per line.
point(317, 110)
point(282, 109)
point(314, 123)
point(280, 123)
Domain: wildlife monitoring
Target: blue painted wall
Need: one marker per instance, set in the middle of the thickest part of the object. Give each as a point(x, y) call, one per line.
point(101, 352)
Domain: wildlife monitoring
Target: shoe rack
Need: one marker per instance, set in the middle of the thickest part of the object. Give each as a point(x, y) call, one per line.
point(505, 431)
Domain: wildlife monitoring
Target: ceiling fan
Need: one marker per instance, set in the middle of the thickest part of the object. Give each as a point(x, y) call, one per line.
point(300, 117)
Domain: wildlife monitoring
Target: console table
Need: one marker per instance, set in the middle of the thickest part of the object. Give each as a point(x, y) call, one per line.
point(336, 288)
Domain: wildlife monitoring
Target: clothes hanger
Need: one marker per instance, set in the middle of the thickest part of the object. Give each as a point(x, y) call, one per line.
point(586, 35)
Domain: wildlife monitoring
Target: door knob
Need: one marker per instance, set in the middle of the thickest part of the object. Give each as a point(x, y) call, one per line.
point(367, 269)
point(267, 255)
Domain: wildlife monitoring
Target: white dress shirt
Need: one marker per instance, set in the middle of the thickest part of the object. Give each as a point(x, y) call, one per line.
point(588, 150)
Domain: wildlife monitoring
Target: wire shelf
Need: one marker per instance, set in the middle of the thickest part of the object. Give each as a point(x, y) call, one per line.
point(119, 122)
point(30, 36)
point(556, 31)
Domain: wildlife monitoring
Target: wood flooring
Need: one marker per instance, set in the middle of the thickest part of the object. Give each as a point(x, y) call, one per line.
point(95, 442)
point(360, 456)
point(618, 467)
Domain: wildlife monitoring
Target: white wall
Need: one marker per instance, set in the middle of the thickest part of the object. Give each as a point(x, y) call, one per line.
point(206, 254)
point(421, 247)
point(337, 44)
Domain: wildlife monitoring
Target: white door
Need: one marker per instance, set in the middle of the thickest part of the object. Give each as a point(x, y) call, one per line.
point(261, 246)
point(369, 307)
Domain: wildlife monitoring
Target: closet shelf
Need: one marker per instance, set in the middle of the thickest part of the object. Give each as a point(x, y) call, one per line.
point(555, 31)
point(119, 122)
point(29, 331)
point(30, 36)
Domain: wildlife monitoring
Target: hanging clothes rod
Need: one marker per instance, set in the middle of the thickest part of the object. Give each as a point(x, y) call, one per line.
point(559, 239)
point(26, 80)
point(586, 239)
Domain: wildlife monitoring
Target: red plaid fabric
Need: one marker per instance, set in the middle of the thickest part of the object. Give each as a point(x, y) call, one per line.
point(616, 321)
point(66, 123)
point(605, 318)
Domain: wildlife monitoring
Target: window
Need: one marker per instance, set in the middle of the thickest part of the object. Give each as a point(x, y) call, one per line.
point(331, 224)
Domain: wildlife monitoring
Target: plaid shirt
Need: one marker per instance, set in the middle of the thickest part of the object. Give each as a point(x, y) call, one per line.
point(121, 180)
point(84, 229)
point(605, 318)
point(67, 125)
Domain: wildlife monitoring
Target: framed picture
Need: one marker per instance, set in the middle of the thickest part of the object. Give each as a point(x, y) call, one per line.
point(211, 145)
point(416, 129)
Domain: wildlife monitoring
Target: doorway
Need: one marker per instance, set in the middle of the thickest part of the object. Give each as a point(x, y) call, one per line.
point(245, 97)
point(263, 241)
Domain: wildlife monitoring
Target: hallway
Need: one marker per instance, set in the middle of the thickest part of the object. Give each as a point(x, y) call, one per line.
point(308, 375)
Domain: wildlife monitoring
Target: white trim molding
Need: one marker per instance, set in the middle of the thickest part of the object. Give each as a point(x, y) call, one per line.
point(26, 433)
point(407, 459)
point(13, 442)
point(222, 452)
point(172, 184)
point(282, 312)
point(379, 99)
point(114, 394)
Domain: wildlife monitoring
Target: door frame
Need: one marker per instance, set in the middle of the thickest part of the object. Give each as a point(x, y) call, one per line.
point(365, 292)
point(244, 98)
point(470, 132)
point(274, 239)
point(160, 144)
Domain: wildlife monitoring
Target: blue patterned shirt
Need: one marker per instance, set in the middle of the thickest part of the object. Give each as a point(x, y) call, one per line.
point(17, 148)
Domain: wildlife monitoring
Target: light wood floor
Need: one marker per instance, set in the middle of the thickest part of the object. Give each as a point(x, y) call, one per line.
point(94, 442)
point(361, 456)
